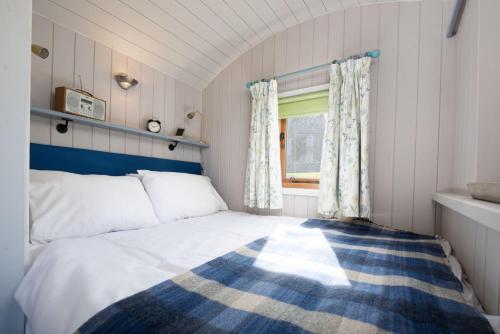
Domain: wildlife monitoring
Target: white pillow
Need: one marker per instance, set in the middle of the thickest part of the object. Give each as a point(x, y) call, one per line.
point(66, 205)
point(179, 195)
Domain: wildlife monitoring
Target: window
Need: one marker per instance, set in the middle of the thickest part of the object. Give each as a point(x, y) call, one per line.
point(302, 125)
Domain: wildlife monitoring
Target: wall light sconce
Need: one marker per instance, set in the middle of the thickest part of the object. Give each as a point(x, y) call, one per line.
point(191, 116)
point(40, 51)
point(125, 81)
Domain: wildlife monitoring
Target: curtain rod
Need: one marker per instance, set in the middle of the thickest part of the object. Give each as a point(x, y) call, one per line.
point(373, 54)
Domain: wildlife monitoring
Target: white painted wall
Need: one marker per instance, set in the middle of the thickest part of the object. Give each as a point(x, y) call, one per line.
point(157, 95)
point(477, 248)
point(411, 107)
point(15, 38)
point(476, 155)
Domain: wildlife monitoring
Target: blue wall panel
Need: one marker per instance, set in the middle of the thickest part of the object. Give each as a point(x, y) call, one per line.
point(80, 161)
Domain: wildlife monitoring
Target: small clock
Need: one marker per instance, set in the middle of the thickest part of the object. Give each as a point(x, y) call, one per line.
point(154, 125)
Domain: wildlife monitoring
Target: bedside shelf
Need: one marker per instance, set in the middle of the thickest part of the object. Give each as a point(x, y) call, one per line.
point(485, 213)
point(106, 125)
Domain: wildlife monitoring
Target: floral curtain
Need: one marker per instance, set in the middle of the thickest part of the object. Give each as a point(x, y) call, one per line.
point(263, 175)
point(343, 186)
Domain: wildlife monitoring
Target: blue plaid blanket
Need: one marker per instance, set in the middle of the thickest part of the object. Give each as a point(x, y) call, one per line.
point(320, 277)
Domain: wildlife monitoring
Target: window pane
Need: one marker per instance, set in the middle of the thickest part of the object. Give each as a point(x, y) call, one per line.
point(303, 146)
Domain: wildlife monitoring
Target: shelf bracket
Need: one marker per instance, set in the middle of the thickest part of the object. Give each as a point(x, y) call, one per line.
point(172, 147)
point(63, 127)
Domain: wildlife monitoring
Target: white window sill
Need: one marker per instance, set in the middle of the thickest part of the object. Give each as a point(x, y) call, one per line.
point(300, 192)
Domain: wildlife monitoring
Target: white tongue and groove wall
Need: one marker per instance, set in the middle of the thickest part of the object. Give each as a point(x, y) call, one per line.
point(74, 57)
point(432, 99)
point(411, 107)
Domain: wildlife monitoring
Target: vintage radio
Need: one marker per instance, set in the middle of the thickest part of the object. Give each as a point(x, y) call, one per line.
point(80, 103)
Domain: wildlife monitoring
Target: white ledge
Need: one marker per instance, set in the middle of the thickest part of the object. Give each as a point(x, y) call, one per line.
point(300, 192)
point(485, 213)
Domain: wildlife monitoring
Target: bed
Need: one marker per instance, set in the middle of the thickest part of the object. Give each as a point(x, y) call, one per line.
point(236, 272)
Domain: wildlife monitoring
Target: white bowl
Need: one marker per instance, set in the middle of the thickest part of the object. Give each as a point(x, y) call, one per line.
point(486, 191)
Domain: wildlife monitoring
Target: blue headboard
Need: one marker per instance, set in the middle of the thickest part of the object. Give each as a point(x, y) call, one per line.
point(80, 161)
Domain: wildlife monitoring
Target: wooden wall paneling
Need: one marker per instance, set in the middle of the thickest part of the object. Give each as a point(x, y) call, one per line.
point(212, 101)
point(62, 75)
point(257, 61)
point(334, 5)
point(464, 239)
point(169, 114)
point(102, 89)
point(288, 205)
point(447, 105)
point(234, 21)
point(194, 124)
point(477, 276)
point(235, 180)
point(312, 207)
point(189, 123)
point(267, 15)
point(476, 247)
point(118, 103)
point(393, 104)
point(240, 6)
point(146, 107)
point(217, 110)
point(300, 10)
point(198, 105)
point(406, 116)
point(352, 32)
point(74, 56)
point(320, 49)
point(492, 274)
point(133, 106)
point(216, 23)
point(306, 41)
point(206, 155)
point(181, 53)
point(370, 41)
point(104, 15)
point(179, 118)
point(84, 74)
point(387, 87)
point(336, 35)
point(283, 12)
point(466, 123)
point(174, 26)
point(426, 153)
point(292, 56)
point(225, 158)
point(159, 99)
point(268, 58)
point(41, 79)
point(189, 40)
point(488, 67)
point(316, 7)
point(300, 206)
point(280, 41)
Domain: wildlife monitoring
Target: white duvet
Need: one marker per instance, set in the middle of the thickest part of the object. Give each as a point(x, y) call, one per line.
point(71, 280)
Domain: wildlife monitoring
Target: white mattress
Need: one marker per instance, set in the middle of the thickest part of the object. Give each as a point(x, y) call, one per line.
point(71, 280)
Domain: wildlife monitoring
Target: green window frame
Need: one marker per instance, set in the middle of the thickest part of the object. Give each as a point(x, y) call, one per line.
point(300, 105)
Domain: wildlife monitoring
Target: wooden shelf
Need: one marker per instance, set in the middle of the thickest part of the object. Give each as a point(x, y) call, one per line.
point(485, 213)
point(106, 125)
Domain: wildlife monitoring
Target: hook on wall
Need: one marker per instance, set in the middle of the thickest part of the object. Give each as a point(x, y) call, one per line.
point(63, 127)
point(172, 147)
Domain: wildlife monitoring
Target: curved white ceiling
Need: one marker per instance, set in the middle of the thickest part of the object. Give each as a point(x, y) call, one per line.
point(191, 40)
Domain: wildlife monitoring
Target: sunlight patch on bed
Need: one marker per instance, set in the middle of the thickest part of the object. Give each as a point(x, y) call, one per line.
point(303, 252)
